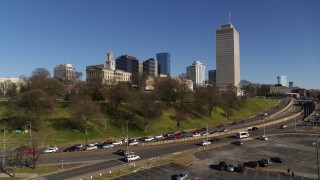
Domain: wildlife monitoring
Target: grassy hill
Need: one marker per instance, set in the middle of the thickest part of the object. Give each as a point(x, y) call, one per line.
point(56, 130)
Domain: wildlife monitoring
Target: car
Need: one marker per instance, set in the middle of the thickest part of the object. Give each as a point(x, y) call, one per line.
point(225, 130)
point(241, 121)
point(132, 157)
point(252, 164)
point(54, 147)
point(90, 147)
point(197, 130)
point(117, 143)
point(214, 139)
point(205, 133)
point(178, 136)
point(205, 143)
point(263, 163)
point(78, 145)
point(253, 128)
point(239, 168)
point(133, 143)
point(222, 165)
point(106, 146)
point(263, 137)
point(283, 126)
point(212, 132)
point(128, 152)
point(196, 135)
point(119, 152)
point(237, 143)
point(182, 176)
point(234, 123)
point(276, 159)
point(230, 168)
point(49, 150)
point(148, 139)
point(220, 126)
point(159, 136)
point(170, 134)
point(72, 148)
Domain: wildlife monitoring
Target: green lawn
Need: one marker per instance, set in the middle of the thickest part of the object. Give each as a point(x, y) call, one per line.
point(55, 131)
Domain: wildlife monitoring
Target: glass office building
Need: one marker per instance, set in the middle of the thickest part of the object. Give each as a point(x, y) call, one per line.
point(163, 63)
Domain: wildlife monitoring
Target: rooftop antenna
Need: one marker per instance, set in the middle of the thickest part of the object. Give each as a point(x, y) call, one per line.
point(229, 18)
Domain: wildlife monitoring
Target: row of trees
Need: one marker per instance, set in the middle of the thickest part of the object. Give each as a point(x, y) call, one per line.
point(40, 93)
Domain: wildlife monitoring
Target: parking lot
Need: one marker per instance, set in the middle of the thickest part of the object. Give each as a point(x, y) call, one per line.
point(296, 150)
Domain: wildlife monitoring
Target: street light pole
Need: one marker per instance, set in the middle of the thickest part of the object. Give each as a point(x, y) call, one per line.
point(30, 135)
point(317, 148)
point(4, 149)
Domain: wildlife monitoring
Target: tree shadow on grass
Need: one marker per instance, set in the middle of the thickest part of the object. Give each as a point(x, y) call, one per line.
point(63, 123)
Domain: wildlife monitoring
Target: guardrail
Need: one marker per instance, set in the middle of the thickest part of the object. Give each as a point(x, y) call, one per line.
point(221, 133)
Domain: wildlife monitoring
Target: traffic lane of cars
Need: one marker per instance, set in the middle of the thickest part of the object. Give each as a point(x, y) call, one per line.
point(153, 151)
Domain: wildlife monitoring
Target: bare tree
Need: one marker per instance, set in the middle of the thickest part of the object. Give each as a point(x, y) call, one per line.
point(35, 103)
point(149, 109)
point(83, 112)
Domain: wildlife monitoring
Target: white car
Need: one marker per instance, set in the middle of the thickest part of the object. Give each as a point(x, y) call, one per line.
point(204, 134)
point(107, 146)
point(54, 147)
point(148, 139)
point(158, 136)
point(132, 157)
point(117, 143)
point(283, 126)
point(205, 143)
point(182, 176)
point(263, 137)
point(91, 147)
point(49, 150)
point(196, 135)
point(133, 143)
point(225, 130)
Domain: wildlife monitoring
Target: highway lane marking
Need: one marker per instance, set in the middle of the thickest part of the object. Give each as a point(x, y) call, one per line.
point(86, 169)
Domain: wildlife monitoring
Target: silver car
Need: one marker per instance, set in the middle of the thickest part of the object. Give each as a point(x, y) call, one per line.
point(182, 176)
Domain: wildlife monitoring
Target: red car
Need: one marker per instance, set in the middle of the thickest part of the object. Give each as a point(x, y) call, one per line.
point(197, 131)
point(220, 126)
point(177, 136)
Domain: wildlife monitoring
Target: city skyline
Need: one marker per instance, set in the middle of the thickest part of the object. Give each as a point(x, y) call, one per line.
point(277, 38)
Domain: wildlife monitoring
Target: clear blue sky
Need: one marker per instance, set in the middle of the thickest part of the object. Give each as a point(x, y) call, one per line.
point(276, 37)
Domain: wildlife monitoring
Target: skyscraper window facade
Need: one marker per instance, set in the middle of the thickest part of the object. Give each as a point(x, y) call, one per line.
point(196, 72)
point(212, 76)
point(128, 64)
point(163, 63)
point(150, 67)
point(227, 56)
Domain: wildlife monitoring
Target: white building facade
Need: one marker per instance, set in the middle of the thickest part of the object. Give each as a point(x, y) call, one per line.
point(196, 72)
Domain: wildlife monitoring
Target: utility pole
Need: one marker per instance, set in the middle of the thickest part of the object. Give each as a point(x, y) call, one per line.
point(30, 135)
point(128, 136)
point(4, 149)
point(317, 148)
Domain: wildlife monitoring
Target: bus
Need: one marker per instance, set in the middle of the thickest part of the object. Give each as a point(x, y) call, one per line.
point(242, 134)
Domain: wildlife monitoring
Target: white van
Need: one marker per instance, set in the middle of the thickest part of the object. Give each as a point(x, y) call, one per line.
point(242, 134)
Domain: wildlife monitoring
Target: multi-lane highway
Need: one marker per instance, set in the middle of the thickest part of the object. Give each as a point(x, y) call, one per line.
point(105, 158)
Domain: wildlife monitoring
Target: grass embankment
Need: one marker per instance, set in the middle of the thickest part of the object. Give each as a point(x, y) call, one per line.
point(56, 130)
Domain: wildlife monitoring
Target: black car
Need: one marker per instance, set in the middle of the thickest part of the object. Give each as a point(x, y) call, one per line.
point(263, 163)
point(72, 148)
point(214, 139)
point(276, 160)
point(234, 123)
point(237, 143)
point(222, 165)
point(120, 152)
point(254, 128)
point(252, 164)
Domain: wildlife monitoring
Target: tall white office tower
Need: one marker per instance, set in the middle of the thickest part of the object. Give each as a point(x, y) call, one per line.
point(227, 56)
point(196, 72)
